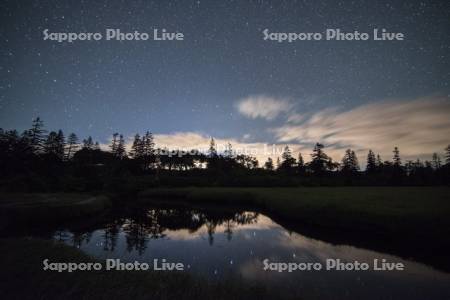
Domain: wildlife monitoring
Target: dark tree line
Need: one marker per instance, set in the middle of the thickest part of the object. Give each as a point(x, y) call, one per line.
point(39, 160)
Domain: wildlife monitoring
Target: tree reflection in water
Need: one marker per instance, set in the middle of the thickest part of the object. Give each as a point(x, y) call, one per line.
point(142, 225)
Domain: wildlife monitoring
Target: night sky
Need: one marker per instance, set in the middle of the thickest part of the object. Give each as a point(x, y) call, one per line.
point(225, 80)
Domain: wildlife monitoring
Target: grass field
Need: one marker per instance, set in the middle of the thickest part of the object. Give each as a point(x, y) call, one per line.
point(48, 208)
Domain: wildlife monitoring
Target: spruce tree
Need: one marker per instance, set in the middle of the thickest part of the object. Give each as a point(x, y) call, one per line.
point(379, 161)
point(288, 161)
point(320, 161)
point(137, 148)
point(114, 144)
point(60, 144)
point(397, 160)
point(212, 156)
point(148, 149)
point(354, 161)
point(228, 153)
point(121, 152)
point(36, 136)
point(268, 165)
point(447, 155)
point(436, 160)
point(51, 143)
point(148, 144)
point(350, 163)
point(72, 145)
point(88, 143)
point(212, 152)
point(300, 161)
point(300, 164)
point(371, 162)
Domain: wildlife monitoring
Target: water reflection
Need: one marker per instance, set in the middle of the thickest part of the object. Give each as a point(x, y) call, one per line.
point(157, 223)
point(217, 243)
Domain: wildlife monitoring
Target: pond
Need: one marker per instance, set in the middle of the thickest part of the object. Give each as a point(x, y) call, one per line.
point(218, 243)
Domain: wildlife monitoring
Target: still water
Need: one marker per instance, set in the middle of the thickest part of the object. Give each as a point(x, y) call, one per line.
point(217, 244)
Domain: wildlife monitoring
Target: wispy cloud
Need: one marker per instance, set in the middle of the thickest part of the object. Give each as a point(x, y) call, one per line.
point(192, 140)
point(263, 107)
point(296, 118)
point(419, 127)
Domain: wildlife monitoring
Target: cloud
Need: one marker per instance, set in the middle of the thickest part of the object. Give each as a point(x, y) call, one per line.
point(193, 140)
point(418, 127)
point(296, 118)
point(187, 141)
point(263, 107)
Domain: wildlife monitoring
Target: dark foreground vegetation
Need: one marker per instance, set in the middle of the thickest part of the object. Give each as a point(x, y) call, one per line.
point(22, 277)
point(38, 208)
point(40, 161)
